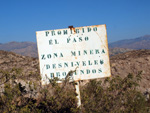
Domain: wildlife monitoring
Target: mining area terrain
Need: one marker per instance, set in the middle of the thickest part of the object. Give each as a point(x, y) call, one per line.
point(124, 91)
point(121, 65)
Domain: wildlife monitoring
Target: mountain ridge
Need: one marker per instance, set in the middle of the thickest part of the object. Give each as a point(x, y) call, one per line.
point(30, 48)
point(142, 42)
point(22, 48)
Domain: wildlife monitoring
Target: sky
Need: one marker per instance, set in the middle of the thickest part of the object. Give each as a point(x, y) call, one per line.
point(125, 19)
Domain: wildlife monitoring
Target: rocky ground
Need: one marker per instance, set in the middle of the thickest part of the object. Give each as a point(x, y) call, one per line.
point(28, 65)
point(122, 64)
point(133, 62)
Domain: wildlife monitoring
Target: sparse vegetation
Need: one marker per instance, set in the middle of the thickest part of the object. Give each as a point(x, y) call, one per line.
point(112, 95)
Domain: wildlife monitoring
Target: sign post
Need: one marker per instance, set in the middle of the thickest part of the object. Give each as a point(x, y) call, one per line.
point(62, 50)
point(77, 87)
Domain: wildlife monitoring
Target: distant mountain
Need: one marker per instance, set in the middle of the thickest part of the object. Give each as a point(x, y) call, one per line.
point(23, 48)
point(30, 48)
point(137, 43)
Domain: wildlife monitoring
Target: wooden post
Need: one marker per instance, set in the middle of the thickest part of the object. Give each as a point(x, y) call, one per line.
point(77, 87)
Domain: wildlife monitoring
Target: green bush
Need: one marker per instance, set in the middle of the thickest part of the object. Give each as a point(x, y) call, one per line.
point(111, 95)
point(52, 98)
point(115, 95)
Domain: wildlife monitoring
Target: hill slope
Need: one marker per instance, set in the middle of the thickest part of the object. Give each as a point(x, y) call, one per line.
point(133, 62)
point(115, 51)
point(122, 65)
point(10, 60)
point(137, 43)
point(22, 48)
